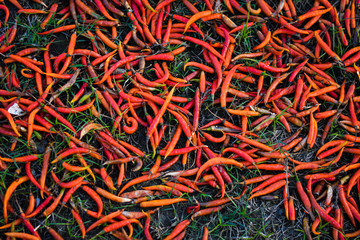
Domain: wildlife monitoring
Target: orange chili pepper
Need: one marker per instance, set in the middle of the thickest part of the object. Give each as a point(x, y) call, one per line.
point(21, 235)
point(96, 198)
point(53, 206)
point(206, 211)
point(325, 47)
point(138, 180)
point(196, 17)
point(178, 229)
point(11, 121)
point(79, 222)
point(9, 192)
point(273, 187)
point(217, 161)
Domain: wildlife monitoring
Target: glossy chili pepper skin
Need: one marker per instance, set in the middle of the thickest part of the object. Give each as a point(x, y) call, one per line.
point(139, 84)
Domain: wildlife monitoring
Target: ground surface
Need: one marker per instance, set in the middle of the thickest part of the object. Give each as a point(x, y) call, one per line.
point(259, 218)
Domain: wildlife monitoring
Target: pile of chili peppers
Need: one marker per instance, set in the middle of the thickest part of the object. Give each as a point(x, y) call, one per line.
point(296, 77)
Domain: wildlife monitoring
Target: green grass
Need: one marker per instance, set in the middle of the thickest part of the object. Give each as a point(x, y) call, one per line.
point(239, 219)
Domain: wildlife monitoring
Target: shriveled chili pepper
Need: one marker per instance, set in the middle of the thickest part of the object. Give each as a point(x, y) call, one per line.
point(322, 212)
